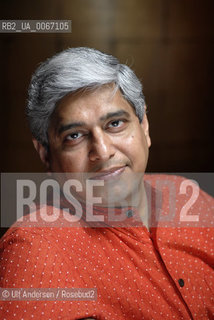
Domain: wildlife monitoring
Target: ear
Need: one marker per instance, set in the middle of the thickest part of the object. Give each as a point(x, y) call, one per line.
point(145, 126)
point(42, 152)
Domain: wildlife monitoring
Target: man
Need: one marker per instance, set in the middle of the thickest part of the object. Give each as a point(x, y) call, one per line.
point(147, 259)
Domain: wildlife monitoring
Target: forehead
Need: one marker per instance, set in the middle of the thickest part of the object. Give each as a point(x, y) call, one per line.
point(89, 106)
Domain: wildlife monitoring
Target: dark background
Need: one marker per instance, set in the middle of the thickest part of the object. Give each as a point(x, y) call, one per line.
point(169, 44)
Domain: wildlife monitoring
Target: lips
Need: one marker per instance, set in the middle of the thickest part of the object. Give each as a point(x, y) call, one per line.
point(109, 173)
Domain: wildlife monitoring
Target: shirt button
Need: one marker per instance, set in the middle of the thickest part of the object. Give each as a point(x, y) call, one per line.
point(181, 282)
point(129, 213)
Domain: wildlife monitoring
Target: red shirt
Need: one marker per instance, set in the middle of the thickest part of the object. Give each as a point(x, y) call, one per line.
point(166, 273)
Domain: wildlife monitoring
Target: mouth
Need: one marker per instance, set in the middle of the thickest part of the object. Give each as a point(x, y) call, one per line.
point(109, 173)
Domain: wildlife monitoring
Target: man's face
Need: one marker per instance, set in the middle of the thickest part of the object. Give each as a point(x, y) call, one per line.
point(97, 132)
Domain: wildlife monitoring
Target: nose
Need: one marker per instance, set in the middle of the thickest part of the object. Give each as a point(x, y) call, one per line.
point(101, 147)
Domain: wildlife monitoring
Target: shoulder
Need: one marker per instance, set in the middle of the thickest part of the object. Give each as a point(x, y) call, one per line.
point(179, 201)
point(33, 234)
point(179, 184)
point(30, 257)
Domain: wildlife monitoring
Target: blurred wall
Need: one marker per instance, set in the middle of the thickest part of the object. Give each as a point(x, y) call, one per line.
point(170, 45)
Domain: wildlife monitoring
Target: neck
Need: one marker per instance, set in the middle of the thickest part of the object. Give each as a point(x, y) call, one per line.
point(143, 207)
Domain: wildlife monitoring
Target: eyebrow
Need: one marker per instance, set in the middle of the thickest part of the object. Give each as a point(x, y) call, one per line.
point(69, 126)
point(118, 113)
point(109, 115)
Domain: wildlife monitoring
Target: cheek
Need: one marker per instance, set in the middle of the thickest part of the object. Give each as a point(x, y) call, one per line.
point(73, 162)
point(136, 149)
point(134, 142)
point(68, 162)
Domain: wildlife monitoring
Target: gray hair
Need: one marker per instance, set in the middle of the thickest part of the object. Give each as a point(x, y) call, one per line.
point(70, 71)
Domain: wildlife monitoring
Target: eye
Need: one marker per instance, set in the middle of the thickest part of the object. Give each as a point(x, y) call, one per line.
point(116, 123)
point(73, 136)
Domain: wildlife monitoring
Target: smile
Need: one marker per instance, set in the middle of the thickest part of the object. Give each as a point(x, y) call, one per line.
point(109, 174)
